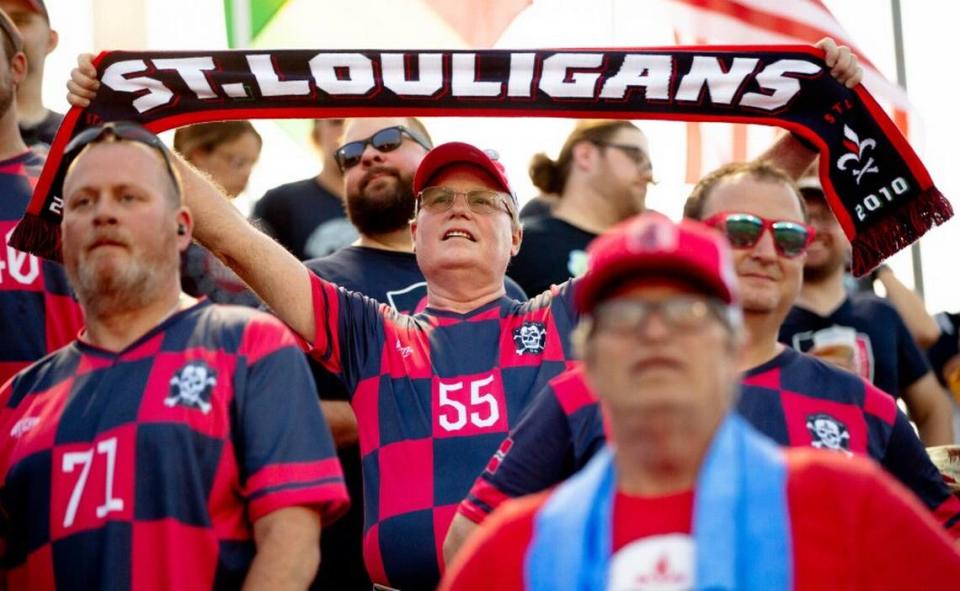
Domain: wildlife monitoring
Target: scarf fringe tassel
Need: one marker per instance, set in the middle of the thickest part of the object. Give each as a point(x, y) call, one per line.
point(899, 229)
point(37, 235)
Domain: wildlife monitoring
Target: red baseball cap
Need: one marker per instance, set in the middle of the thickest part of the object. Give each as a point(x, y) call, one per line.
point(453, 153)
point(11, 31)
point(37, 6)
point(651, 246)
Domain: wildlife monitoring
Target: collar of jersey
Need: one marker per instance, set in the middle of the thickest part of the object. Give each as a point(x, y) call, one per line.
point(451, 314)
point(86, 347)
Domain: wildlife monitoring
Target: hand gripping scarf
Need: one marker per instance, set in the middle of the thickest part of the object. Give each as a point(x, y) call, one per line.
point(879, 190)
point(741, 521)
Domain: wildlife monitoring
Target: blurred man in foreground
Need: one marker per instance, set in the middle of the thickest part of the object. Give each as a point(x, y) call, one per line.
point(792, 398)
point(689, 494)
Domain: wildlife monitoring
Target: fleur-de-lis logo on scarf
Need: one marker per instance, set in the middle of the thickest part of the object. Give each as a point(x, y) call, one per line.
point(858, 150)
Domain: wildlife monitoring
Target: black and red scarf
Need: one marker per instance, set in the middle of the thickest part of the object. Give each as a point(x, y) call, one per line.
point(877, 187)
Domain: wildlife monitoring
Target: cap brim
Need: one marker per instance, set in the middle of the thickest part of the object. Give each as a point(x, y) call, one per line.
point(592, 289)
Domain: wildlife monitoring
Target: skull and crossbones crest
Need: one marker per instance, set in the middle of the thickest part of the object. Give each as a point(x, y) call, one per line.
point(857, 154)
point(828, 433)
point(530, 338)
point(191, 386)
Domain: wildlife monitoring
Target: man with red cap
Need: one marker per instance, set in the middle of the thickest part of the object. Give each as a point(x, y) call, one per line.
point(689, 495)
point(436, 392)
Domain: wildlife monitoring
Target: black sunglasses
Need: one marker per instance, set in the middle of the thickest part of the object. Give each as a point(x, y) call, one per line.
point(121, 130)
point(387, 139)
point(635, 153)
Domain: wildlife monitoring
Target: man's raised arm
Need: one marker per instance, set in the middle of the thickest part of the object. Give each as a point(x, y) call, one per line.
point(281, 281)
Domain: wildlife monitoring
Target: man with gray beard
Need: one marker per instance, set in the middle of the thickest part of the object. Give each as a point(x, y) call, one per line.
point(149, 452)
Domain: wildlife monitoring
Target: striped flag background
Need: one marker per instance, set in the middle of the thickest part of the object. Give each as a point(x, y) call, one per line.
point(725, 22)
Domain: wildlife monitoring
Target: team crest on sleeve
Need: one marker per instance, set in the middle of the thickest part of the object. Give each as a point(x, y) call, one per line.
point(192, 386)
point(828, 433)
point(530, 338)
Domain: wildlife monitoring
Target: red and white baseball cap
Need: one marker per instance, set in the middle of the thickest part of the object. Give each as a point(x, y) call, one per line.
point(460, 153)
point(650, 246)
point(37, 6)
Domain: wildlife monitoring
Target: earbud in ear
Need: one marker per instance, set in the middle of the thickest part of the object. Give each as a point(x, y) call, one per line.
point(181, 230)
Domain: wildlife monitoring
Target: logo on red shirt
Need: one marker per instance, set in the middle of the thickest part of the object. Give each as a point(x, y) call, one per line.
point(191, 386)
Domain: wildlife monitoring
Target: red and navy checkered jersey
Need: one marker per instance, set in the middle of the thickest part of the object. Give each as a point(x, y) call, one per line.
point(394, 278)
point(794, 399)
point(38, 313)
point(434, 395)
point(145, 469)
point(886, 354)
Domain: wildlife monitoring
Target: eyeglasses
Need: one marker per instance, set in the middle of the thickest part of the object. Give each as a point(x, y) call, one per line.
point(121, 130)
point(635, 153)
point(683, 313)
point(387, 139)
point(482, 201)
point(743, 230)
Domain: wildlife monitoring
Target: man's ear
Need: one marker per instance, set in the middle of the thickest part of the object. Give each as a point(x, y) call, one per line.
point(516, 240)
point(18, 67)
point(53, 40)
point(184, 220)
point(413, 233)
point(584, 154)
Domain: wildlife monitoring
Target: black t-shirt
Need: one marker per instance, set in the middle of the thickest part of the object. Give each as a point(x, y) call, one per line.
point(552, 252)
point(537, 207)
point(202, 274)
point(305, 218)
point(40, 136)
point(392, 278)
point(947, 346)
point(886, 353)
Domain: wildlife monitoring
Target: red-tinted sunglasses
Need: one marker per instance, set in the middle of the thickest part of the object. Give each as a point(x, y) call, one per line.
point(743, 230)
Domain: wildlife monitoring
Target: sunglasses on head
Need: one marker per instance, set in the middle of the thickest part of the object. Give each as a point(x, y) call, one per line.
point(386, 140)
point(743, 230)
point(122, 131)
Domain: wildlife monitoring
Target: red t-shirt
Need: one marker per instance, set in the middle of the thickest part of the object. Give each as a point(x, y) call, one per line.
point(656, 551)
point(853, 527)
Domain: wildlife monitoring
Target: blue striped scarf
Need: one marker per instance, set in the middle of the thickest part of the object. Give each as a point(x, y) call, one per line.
point(741, 523)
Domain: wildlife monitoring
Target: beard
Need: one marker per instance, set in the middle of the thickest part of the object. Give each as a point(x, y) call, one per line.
point(817, 273)
point(384, 204)
point(106, 285)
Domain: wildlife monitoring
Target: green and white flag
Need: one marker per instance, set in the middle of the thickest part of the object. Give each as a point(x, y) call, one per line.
point(246, 19)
